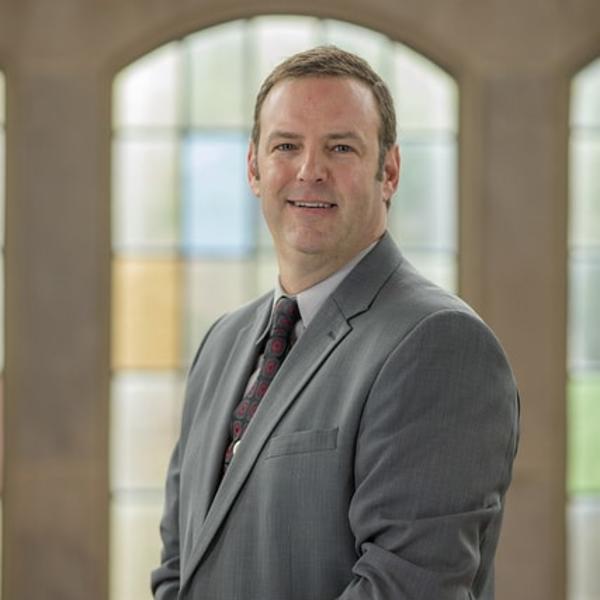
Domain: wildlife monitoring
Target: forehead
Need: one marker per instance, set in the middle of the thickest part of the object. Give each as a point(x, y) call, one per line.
point(311, 100)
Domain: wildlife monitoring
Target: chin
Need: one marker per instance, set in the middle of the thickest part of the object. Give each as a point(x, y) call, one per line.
point(310, 243)
point(308, 249)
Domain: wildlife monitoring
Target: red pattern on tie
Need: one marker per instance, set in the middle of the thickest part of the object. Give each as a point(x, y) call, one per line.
point(285, 317)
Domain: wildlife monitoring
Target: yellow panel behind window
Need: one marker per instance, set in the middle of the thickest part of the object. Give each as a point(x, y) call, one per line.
point(146, 314)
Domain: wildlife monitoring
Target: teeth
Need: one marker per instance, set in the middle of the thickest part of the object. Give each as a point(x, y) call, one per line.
point(313, 204)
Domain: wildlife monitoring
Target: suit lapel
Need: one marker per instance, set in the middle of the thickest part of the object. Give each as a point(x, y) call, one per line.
point(329, 327)
point(306, 357)
point(212, 439)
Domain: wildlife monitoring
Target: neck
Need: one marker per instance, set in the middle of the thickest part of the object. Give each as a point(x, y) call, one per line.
point(302, 271)
point(294, 279)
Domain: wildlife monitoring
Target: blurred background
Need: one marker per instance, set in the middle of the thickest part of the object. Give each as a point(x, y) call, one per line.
point(128, 227)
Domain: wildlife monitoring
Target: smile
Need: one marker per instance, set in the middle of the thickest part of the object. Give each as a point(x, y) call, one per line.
point(311, 204)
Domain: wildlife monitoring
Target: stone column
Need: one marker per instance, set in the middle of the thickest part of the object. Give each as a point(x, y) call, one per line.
point(57, 333)
point(513, 218)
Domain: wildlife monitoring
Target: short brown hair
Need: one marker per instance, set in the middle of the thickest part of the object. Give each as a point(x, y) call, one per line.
point(330, 61)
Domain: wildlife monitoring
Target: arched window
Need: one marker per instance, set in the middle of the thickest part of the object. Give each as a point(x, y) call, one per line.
point(584, 338)
point(188, 240)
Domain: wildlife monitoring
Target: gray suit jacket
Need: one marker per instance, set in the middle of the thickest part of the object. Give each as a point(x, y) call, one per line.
point(375, 467)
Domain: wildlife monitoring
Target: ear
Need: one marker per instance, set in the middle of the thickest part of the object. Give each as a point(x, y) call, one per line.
point(391, 172)
point(252, 169)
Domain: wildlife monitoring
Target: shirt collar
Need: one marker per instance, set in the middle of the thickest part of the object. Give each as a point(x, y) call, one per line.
point(311, 299)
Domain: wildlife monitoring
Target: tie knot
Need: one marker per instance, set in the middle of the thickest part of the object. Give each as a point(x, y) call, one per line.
point(285, 316)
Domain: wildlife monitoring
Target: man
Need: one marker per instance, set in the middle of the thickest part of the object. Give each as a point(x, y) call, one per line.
point(371, 460)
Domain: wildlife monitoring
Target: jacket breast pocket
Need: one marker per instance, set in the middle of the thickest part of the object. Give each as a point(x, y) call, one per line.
point(298, 442)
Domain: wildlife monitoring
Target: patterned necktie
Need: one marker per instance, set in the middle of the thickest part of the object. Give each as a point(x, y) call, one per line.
point(285, 317)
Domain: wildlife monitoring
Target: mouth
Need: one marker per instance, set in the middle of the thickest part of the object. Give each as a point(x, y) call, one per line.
point(307, 204)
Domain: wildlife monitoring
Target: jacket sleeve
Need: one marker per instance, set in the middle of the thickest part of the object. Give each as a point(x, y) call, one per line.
point(433, 461)
point(164, 580)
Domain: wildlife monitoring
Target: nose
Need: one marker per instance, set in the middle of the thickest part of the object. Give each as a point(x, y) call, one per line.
point(312, 168)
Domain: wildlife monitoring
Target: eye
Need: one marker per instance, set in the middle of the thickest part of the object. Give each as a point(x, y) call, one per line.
point(285, 147)
point(342, 148)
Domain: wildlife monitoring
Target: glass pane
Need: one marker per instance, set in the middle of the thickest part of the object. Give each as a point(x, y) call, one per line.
point(585, 189)
point(146, 314)
point(265, 241)
point(147, 92)
point(219, 211)
point(216, 287)
point(584, 433)
point(585, 109)
point(145, 415)
point(371, 46)
point(426, 97)
point(583, 388)
point(212, 289)
point(134, 548)
point(584, 303)
point(144, 192)
point(423, 212)
point(439, 267)
point(583, 519)
point(267, 273)
point(217, 94)
point(276, 38)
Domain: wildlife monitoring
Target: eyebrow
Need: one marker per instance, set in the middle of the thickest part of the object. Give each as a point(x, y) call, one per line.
point(344, 135)
point(288, 135)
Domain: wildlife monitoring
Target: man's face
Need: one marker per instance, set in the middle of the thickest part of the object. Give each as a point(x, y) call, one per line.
point(315, 169)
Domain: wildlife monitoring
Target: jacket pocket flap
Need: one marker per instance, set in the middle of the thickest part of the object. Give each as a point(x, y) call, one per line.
point(303, 441)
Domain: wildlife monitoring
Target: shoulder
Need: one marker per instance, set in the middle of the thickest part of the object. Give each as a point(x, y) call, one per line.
point(438, 335)
point(413, 321)
point(409, 302)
